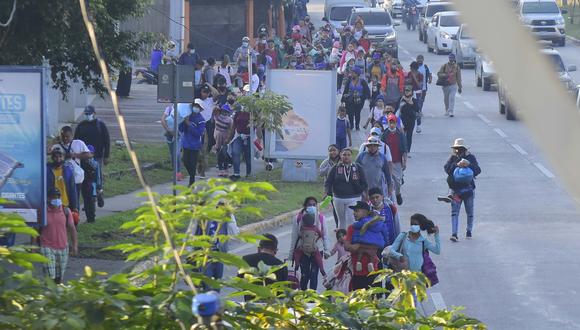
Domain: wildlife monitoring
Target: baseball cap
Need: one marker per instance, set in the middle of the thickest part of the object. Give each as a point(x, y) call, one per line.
point(246, 39)
point(373, 141)
point(89, 109)
point(356, 70)
point(56, 149)
point(392, 117)
point(360, 205)
point(451, 56)
point(53, 191)
point(375, 131)
point(376, 56)
point(199, 102)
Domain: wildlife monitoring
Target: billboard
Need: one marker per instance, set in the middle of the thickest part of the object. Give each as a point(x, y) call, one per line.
point(311, 124)
point(22, 143)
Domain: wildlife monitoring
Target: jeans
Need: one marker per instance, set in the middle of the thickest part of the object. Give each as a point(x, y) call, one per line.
point(345, 215)
point(89, 195)
point(222, 158)
point(409, 128)
point(449, 98)
point(190, 163)
point(170, 145)
point(421, 100)
point(309, 272)
point(213, 270)
point(456, 207)
point(202, 157)
point(241, 146)
point(397, 176)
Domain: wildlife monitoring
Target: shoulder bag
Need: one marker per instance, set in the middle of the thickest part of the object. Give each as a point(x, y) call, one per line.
point(396, 264)
point(428, 268)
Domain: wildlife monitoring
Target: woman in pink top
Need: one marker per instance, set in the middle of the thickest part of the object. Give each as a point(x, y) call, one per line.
point(53, 237)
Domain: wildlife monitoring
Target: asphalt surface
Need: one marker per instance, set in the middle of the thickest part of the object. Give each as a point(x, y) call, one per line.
point(518, 272)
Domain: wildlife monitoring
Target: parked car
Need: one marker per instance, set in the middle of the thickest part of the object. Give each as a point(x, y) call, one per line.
point(426, 14)
point(505, 103)
point(484, 72)
point(544, 19)
point(443, 27)
point(338, 11)
point(397, 8)
point(463, 46)
point(380, 26)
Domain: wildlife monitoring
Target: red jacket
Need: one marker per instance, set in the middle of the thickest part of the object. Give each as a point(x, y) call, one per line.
point(400, 74)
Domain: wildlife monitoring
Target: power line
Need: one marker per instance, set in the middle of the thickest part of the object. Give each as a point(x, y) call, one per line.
point(11, 15)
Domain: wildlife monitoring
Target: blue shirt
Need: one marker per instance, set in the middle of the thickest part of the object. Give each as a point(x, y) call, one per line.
point(341, 128)
point(413, 251)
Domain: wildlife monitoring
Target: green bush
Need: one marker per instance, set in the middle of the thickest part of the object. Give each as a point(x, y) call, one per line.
point(149, 298)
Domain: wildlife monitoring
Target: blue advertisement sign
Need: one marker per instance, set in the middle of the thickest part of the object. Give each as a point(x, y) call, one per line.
point(22, 143)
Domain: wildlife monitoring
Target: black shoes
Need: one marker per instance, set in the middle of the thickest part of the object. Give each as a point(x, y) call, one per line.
point(446, 199)
point(454, 238)
point(100, 199)
point(468, 234)
point(399, 199)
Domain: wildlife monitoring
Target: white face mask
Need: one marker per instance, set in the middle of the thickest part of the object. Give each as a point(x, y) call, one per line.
point(192, 51)
point(90, 117)
point(245, 44)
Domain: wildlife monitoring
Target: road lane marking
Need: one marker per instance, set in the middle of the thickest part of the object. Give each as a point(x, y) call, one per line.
point(246, 246)
point(484, 118)
point(500, 132)
point(406, 52)
point(438, 301)
point(544, 170)
point(519, 149)
point(469, 105)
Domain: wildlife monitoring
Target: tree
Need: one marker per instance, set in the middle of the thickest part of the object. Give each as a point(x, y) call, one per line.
point(267, 111)
point(54, 29)
point(149, 298)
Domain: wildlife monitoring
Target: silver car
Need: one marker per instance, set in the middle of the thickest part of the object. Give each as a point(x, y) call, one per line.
point(484, 72)
point(463, 46)
point(426, 14)
point(379, 25)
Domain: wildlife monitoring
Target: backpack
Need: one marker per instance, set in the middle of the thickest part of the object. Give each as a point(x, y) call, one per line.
point(308, 234)
point(90, 168)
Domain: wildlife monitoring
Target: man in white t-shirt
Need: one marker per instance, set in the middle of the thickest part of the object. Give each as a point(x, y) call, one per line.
point(75, 151)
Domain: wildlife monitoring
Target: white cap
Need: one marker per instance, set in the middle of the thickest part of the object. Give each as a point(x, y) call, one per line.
point(376, 130)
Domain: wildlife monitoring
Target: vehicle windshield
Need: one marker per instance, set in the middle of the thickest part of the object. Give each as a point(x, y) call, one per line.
point(340, 13)
point(449, 21)
point(557, 62)
point(370, 19)
point(434, 9)
point(465, 34)
point(540, 8)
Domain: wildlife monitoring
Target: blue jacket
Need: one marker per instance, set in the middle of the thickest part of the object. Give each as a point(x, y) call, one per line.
point(413, 250)
point(192, 134)
point(376, 232)
point(391, 224)
point(69, 181)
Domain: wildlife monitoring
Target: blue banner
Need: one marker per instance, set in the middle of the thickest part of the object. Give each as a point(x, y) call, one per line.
point(22, 143)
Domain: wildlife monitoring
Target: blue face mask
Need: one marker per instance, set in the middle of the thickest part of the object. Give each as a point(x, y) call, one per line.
point(415, 228)
point(90, 117)
point(195, 109)
point(311, 209)
point(56, 202)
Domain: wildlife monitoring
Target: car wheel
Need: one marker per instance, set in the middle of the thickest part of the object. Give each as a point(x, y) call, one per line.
point(486, 84)
point(477, 80)
point(563, 42)
point(429, 49)
point(509, 112)
point(437, 50)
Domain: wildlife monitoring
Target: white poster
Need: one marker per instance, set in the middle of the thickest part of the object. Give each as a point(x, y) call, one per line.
point(310, 126)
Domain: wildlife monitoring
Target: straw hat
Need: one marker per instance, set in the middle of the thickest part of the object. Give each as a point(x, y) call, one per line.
point(459, 143)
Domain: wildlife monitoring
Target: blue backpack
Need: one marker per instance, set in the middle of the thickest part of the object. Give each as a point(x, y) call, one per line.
point(463, 175)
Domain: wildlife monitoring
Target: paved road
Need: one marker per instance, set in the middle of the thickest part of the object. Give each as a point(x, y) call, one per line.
point(516, 273)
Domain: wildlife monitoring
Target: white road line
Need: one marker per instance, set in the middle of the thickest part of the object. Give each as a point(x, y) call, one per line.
point(544, 170)
point(500, 132)
point(469, 105)
point(438, 301)
point(247, 245)
point(519, 149)
point(406, 52)
point(484, 118)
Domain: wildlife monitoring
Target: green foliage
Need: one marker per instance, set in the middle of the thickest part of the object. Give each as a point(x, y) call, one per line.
point(54, 29)
point(267, 110)
point(149, 297)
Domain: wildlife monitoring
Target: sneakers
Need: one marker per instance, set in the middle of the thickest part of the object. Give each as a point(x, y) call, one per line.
point(454, 238)
point(446, 113)
point(468, 234)
point(446, 199)
point(450, 113)
point(418, 129)
point(179, 176)
point(100, 199)
point(399, 199)
point(235, 177)
point(358, 266)
point(370, 267)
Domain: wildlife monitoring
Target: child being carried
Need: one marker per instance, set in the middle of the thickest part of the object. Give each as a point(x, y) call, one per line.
point(369, 234)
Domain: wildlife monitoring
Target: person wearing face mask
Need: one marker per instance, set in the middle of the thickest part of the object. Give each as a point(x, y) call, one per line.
point(375, 166)
point(189, 56)
point(427, 78)
point(61, 176)
point(241, 56)
point(392, 85)
point(192, 130)
point(411, 246)
point(408, 112)
point(356, 92)
point(240, 137)
point(171, 55)
point(53, 239)
point(309, 257)
point(449, 78)
point(94, 131)
point(397, 143)
point(209, 71)
point(325, 167)
point(225, 70)
point(346, 183)
point(74, 151)
point(274, 52)
point(462, 191)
